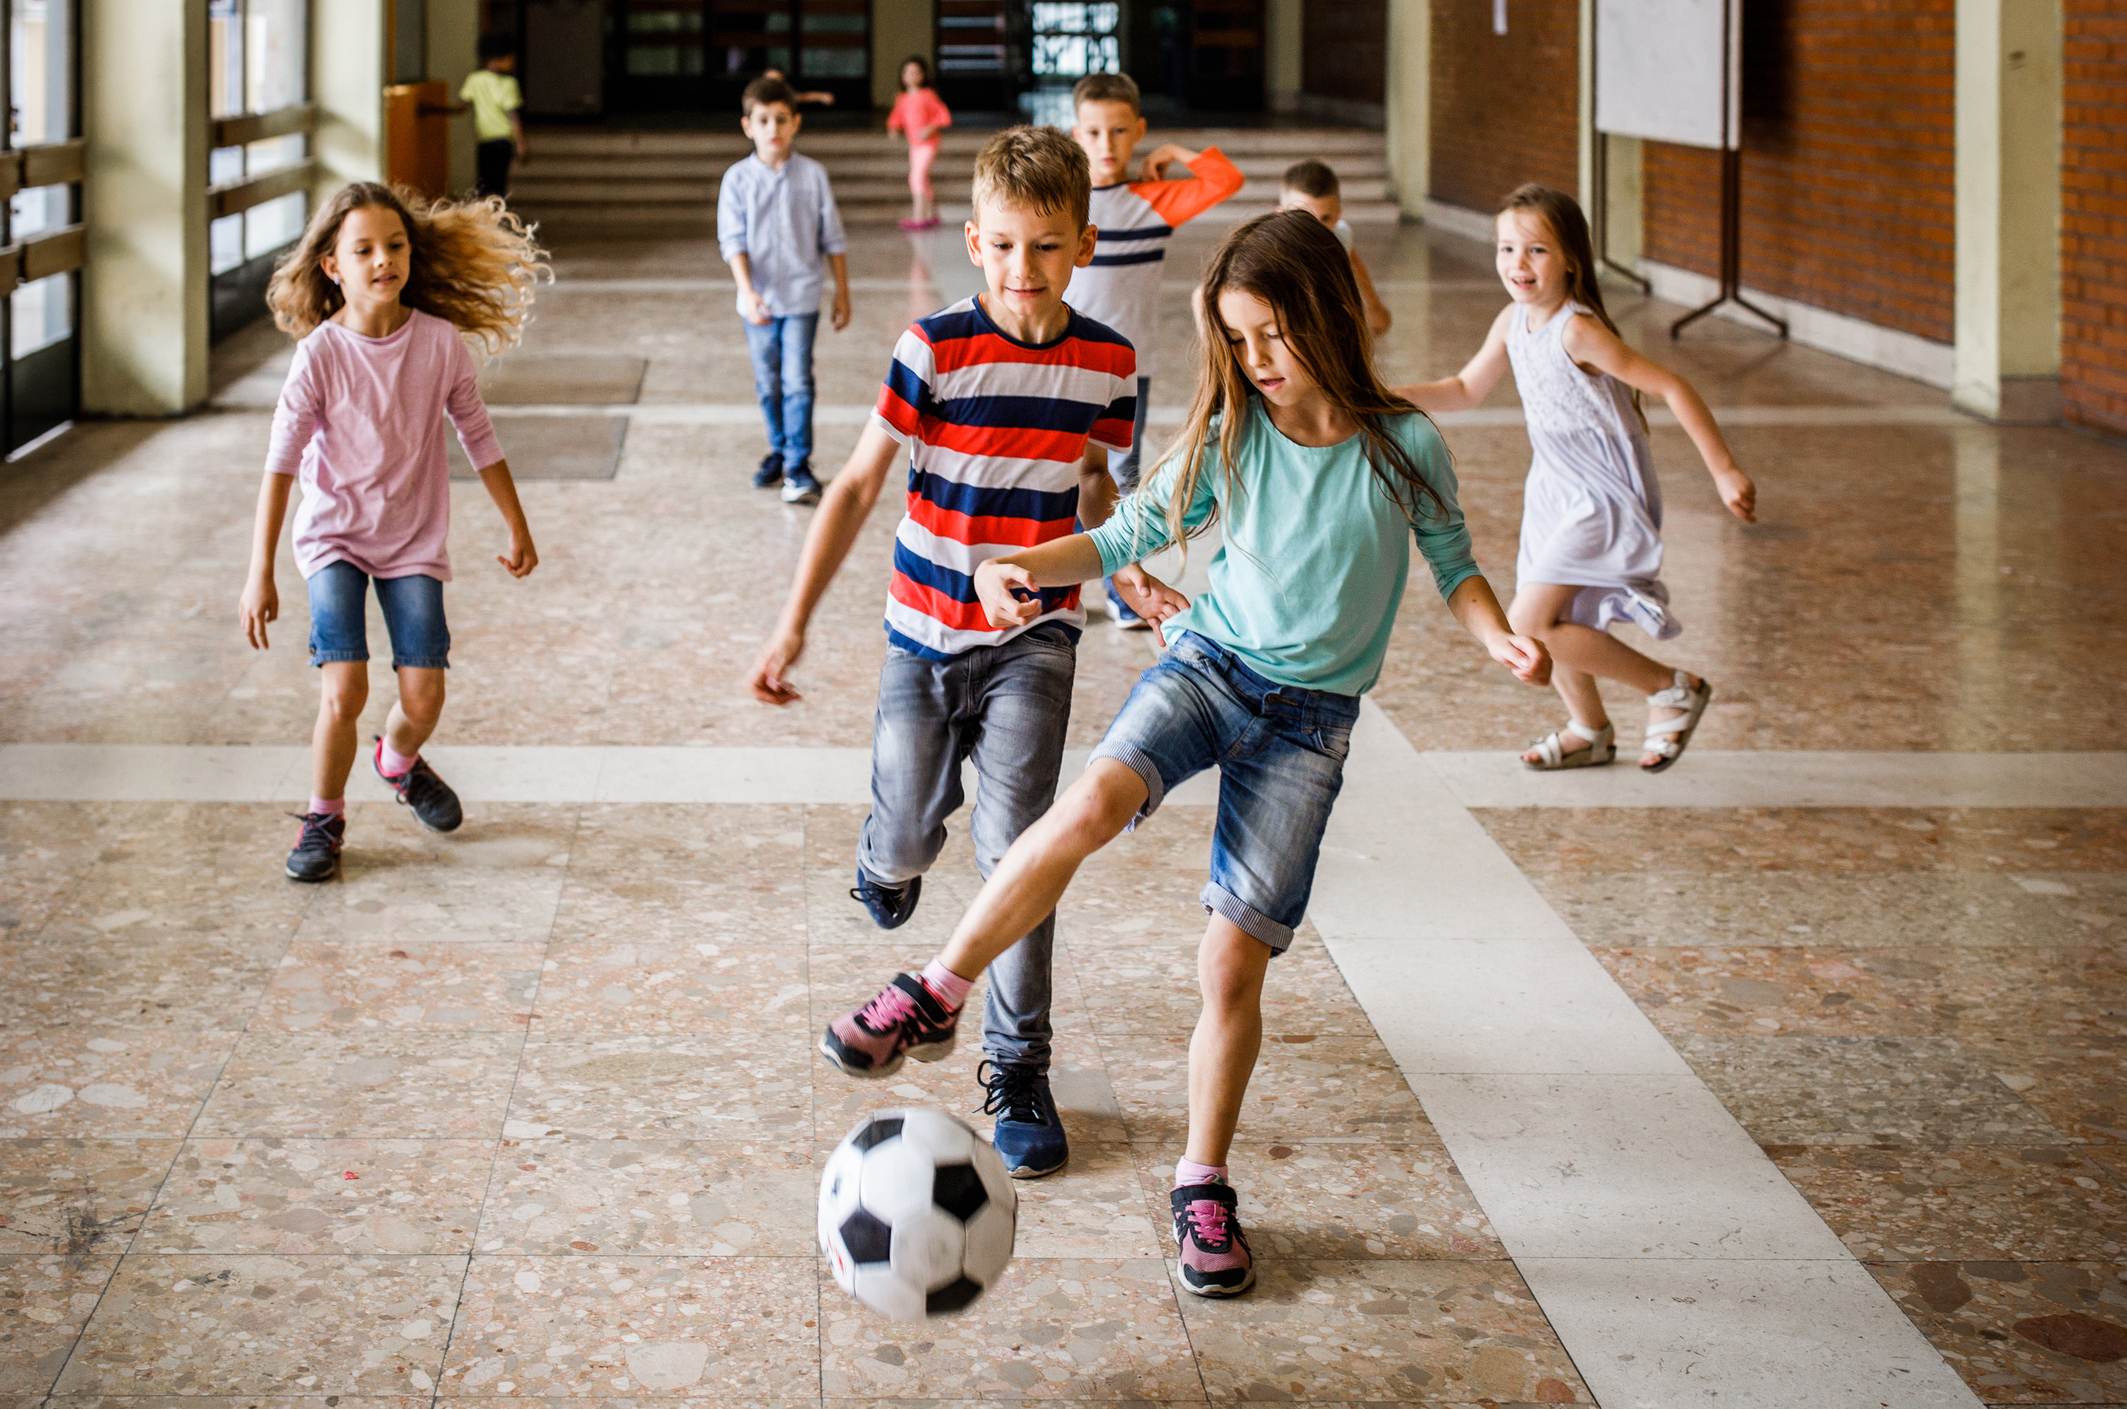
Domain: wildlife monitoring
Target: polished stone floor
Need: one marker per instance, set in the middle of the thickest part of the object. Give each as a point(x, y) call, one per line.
point(531, 1110)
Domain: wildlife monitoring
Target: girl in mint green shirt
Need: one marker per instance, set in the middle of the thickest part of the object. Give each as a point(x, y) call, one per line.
point(1322, 478)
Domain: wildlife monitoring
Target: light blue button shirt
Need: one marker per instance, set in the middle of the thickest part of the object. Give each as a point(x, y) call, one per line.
point(785, 223)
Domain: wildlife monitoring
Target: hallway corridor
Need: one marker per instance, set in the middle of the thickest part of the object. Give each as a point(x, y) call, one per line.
point(1790, 1078)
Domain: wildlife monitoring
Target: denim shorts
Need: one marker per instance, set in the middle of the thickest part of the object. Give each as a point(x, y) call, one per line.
point(413, 614)
point(1280, 753)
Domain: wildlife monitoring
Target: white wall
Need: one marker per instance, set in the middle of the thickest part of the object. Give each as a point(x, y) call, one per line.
point(454, 52)
point(349, 65)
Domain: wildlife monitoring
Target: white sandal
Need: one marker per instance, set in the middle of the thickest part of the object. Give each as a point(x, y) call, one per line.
point(1660, 731)
point(1602, 747)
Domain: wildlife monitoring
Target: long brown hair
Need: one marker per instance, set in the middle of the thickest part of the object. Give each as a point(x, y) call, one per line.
point(1292, 262)
point(473, 263)
point(1569, 227)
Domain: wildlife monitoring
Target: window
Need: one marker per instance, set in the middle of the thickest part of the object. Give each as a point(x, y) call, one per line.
point(39, 382)
point(257, 57)
point(1073, 40)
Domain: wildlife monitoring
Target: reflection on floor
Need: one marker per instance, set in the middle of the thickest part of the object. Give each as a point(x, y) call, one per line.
point(531, 1110)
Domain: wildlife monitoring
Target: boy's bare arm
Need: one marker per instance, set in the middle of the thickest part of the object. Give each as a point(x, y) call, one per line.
point(1378, 317)
point(839, 263)
point(835, 525)
point(1096, 488)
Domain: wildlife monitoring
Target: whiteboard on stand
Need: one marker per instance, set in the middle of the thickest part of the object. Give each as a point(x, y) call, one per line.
point(1670, 70)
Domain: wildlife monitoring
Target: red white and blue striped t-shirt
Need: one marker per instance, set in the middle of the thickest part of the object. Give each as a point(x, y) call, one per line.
point(995, 430)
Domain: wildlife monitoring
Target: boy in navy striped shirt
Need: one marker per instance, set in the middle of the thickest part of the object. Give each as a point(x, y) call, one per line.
point(1009, 403)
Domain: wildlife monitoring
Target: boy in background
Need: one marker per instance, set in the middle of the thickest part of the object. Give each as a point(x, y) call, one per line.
point(776, 223)
point(498, 117)
point(997, 398)
point(1311, 186)
point(1134, 219)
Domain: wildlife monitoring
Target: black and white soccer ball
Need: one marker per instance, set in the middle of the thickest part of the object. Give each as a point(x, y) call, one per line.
point(917, 1216)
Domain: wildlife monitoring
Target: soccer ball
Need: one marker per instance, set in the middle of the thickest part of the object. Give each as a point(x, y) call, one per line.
point(917, 1216)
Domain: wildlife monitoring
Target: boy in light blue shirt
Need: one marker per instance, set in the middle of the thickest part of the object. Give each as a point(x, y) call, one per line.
point(775, 222)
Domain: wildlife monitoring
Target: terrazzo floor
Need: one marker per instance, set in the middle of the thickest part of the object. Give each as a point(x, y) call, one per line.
point(531, 1111)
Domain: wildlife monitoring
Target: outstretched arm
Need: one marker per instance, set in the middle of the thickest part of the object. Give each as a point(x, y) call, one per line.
point(1470, 386)
point(1478, 610)
point(835, 525)
point(1590, 343)
point(1378, 318)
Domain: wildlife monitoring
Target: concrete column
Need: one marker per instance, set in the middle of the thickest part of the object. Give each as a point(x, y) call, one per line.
point(454, 52)
point(2008, 127)
point(898, 29)
point(1626, 206)
point(144, 290)
point(1584, 107)
point(1410, 97)
point(350, 50)
point(1283, 36)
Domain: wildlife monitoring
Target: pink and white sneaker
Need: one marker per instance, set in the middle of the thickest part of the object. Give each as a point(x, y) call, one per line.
point(1214, 1251)
point(905, 1020)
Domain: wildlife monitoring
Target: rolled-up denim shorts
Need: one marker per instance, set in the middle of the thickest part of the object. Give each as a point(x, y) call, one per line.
point(413, 614)
point(1280, 753)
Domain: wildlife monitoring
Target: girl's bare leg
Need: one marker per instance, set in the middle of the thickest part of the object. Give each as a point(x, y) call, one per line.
point(1230, 967)
point(1584, 651)
point(1033, 874)
point(420, 706)
point(335, 741)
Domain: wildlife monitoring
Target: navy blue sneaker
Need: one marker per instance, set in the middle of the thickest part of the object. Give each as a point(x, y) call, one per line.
point(770, 474)
point(890, 906)
point(799, 486)
point(1125, 618)
point(1029, 1133)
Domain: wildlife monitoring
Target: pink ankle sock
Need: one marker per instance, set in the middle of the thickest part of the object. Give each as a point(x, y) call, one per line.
point(1188, 1171)
point(950, 988)
point(396, 763)
point(330, 806)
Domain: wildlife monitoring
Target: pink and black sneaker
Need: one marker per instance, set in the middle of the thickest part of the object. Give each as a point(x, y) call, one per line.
point(905, 1020)
point(1214, 1251)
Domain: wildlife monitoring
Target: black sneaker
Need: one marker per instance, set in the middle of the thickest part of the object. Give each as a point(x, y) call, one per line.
point(1213, 1250)
point(799, 487)
point(317, 851)
point(418, 787)
point(904, 1020)
point(1029, 1133)
point(890, 906)
point(770, 474)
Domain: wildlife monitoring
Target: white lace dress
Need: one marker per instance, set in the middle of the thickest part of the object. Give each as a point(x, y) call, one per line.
point(1592, 510)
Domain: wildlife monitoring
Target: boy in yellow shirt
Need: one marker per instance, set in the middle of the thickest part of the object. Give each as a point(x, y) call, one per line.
point(498, 118)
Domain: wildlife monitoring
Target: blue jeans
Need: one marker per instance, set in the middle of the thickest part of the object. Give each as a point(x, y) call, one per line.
point(1008, 707)
point(781, 349)
point(1123, 468)
point(1280, 754)
point(413, 614)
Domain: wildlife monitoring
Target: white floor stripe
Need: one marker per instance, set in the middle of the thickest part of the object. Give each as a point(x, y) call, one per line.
point(747, 413)
point(1713, 778)
point(1677, 1264)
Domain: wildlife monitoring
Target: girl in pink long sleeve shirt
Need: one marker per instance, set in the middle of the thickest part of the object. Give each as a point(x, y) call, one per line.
point(919, 115)
point(383, 298)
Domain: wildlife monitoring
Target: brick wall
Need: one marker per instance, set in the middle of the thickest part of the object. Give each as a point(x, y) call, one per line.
point(2094, 214)
point(1504, 108)
point(1848, 162)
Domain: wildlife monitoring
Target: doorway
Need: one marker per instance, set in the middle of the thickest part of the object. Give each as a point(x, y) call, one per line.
point(691, 56)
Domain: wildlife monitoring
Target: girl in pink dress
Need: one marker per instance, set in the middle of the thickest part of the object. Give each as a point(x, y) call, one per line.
point(919, 115)
point(384, 296)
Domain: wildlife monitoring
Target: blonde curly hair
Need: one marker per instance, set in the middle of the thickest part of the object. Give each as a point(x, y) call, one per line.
point(474, 264)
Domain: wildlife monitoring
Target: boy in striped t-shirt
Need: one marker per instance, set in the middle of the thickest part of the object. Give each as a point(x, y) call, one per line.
point(1008, 403)
point(1135, 219)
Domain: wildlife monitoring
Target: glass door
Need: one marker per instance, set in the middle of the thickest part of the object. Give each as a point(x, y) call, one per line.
point(692, 56)
point(40, 353)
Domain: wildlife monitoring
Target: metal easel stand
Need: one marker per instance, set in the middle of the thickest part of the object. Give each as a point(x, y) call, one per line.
point(1601, 220)
point(1731, 250)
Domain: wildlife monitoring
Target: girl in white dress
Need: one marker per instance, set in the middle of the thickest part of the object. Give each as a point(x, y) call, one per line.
point(1591, 545)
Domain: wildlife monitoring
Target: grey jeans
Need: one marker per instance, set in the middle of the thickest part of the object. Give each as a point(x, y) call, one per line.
point(1008, 708)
